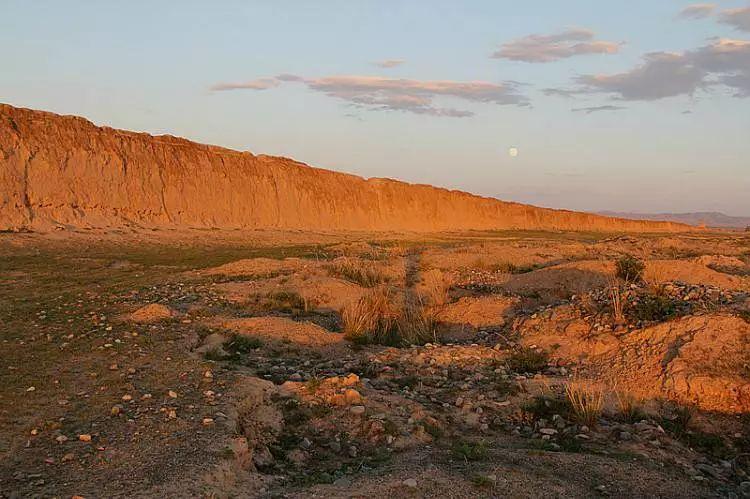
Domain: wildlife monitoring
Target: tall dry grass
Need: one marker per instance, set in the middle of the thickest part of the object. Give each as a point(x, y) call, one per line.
point(435, 288)
point(360, 272)
point(371, 319)
point(586, 401)
point(614, 289)
point(417, 323)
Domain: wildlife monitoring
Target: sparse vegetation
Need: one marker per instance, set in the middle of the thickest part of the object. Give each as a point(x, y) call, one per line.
point(240, 344)
point(417, 324)
point(435, 288)
point(615, 298)
point(629, 269)
point(286, 301)
point(363, 273)
point(371, 319)
point(470, 451)
point(544, 407)
point(586, 401)
point(652, 308)
point(502, 267)
point(628, 406)
point(527, 360)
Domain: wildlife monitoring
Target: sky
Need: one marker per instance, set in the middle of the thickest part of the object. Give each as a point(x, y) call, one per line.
point(635, 105)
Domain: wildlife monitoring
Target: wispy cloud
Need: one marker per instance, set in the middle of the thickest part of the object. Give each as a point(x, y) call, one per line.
point(596, 109)
point(668, 74)
point(739, 18)
point(550, 48)
point(390, 94)
point(697, 11)
point(260, 84)
point(560, 92)
point(389, 63)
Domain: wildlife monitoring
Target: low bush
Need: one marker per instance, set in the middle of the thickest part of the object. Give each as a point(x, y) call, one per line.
point(629, 269)
point(527, 360)
point(240, 344)
point(652, 308)
point(470, 451)
point(544, 407)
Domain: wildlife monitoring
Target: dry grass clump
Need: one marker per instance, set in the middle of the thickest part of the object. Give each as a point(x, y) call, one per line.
point(615, 297)
point(371, 319)
point(435, 287)
point(586, 401)
point(417, 323)
point(363, 273)
point(375, 319)
point(628, 406)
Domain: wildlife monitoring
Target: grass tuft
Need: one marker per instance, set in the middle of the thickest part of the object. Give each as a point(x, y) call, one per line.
point(586, 401)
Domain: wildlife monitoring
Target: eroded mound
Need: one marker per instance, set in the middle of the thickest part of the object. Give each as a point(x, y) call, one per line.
point(153, 312)
point(701, 360)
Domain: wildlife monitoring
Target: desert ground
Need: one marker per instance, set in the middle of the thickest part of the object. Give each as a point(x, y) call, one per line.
point(259, 363)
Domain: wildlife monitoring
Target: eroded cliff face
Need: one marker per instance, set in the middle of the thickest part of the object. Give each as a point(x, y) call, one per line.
point(64, 170)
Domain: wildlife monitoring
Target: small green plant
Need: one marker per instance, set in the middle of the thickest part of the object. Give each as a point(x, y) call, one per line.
point(544, 407)
point(745, 315)
point(652, 308)
point(527, 360)
point(628, 407)
point(215, 354)
point(470, 451)
point(678, 420)
point(240, 344)
point(433, 430)
point(482, 481)
point(629, 269)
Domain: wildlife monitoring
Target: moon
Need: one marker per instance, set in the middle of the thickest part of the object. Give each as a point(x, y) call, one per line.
point(513, 152)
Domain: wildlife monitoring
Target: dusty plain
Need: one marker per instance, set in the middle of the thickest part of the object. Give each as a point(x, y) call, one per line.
point(213, 363)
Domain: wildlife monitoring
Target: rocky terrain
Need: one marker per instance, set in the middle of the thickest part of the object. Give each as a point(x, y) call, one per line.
point(300, 364)
point(65, 172)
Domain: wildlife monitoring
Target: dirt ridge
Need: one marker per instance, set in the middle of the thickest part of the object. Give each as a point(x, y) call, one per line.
point(65, 171)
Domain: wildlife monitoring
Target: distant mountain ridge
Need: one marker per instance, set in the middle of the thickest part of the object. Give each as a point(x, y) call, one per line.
point(707, 218)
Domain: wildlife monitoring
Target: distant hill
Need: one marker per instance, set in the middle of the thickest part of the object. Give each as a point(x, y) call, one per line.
point(707, 218)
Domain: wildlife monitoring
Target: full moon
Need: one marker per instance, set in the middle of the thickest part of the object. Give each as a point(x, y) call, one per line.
point(513, 152)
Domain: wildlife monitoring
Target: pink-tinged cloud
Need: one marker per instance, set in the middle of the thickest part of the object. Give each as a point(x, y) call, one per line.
point(550, 48)
point(414, 96)
point(739, 18)
point(697, 11)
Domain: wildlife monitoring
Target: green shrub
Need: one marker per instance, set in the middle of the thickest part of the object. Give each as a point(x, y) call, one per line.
point(470, 451)
point(652, 308)
point(527, 360)
point(239, 344)
point(543, 407)
point(629, 269)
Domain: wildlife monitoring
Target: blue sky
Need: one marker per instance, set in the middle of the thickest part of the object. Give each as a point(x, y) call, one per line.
point(669, 132)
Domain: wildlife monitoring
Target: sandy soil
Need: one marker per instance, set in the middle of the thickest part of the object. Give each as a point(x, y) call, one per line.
point(221, 364)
